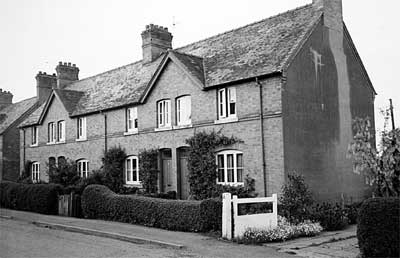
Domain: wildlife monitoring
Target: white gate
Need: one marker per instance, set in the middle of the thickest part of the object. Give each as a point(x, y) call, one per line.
point(232, 221)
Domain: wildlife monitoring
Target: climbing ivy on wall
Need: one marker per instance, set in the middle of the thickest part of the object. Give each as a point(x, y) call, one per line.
point(201, 162)
point(148, 172)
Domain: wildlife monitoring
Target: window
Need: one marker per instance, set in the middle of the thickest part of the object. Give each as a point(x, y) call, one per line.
point(131, 119)
point(51, 133)
point(164, 113)
point(230, 167)
point(183, 110)
point(132, 170)
point(61, 131)
point(35, 134)
point(35, 169)
point(81, 130)
point(83, 168)
point(226, 103)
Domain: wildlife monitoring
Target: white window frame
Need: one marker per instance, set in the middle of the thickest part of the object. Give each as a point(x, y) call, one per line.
point(82, 167)
point(226, 97)
point(61, 131)
point(225, 168)
point(81, 129)
point(164, 113)
point(184, 110)
point(51, 133)
point(132, 120)
point(35, 136)
point(129, 171)
point(35, 172)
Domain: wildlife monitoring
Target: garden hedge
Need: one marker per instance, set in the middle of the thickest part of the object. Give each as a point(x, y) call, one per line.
point(378, 227)
point(41, 198)
point(99, 202)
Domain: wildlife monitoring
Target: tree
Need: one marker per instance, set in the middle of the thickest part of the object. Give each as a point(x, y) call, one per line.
point(381, 168)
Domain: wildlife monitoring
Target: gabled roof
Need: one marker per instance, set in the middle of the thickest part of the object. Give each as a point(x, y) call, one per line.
point(10, 114)
point(257, 49)
point(33, 118)
point(69, 98)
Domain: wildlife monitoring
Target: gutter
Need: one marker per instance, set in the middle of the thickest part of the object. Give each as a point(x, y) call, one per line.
point(24, 150)
point(264, 165)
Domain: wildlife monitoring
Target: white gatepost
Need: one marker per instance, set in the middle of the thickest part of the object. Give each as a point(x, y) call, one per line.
point(226, 216)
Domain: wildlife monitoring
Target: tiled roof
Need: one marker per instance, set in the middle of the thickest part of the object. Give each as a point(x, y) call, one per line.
point(253, 50)
point(33, 118)
point(13, 112)
point(69, 98)
point(256, 49)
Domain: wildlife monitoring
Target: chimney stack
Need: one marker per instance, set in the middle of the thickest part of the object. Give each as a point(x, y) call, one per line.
point(156, 40)
point(45, 83)
point(5, 98)
point(66, 74)
point(333, 14)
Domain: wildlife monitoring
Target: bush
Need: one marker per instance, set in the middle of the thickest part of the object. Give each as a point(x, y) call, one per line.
point(113, 167)
point(378, 227)
point(41, 198)
point(171, 195)
point(352, 212)
point(296, 199)
point(65, 174)
point(284, 231)
point(331, 217)
point(100, 202)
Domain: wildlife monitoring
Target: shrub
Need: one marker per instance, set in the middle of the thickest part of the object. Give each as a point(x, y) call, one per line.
point(331, 217)
point(41, 198)
point(378, 227)
point(284, 231)
point(352, 212)
point(246, 191)
point(65, 174)
point(100, 202)
point(148, 170)
point(113, 167)
point(26, 176)
point(296, 199)
point(168, 195)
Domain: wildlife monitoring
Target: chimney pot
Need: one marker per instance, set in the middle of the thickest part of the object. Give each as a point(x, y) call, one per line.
point(66, 74)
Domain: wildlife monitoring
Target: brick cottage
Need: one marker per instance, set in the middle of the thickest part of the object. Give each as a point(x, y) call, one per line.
point(287, 86)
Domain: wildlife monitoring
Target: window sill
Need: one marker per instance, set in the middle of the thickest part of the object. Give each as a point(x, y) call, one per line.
point(231, 183)
point(226, 120)
point(163, 129)
point(51, 143)
point(182, 126)
point(133, 184)
point(34, 145)
point(60, 142)
point(131, 132)
point(81, 140)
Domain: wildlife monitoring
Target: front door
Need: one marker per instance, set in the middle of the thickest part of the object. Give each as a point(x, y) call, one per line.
point(184, 174)
point(166, 159)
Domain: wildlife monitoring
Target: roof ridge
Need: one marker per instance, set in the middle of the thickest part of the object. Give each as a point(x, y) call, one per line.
point(186, 54)
point(247, 25)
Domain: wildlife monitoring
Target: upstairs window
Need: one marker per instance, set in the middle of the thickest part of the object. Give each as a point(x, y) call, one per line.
point(132, 170)
point(131, 119)
point(61, 131)
point(81, 128)
point(35, 169)
point(35, 135)
point(227, 103)
point(164, 113)
point(51, 133)
point(230, 167)
point(83, 168)
point(183, 110)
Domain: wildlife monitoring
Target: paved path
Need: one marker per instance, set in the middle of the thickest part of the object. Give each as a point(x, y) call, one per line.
point(196, 245)
point(335, 244)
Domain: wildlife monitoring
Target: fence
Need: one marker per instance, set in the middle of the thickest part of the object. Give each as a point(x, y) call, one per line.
point(69, 205)
point(235, 224)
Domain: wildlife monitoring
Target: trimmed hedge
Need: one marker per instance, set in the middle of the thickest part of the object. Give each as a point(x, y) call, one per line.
point(99, 202)
point(41, 198)
point(378, 227)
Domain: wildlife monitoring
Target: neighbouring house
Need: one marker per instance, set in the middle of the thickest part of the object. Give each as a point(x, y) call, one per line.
point(11, 115)
point(288, 86)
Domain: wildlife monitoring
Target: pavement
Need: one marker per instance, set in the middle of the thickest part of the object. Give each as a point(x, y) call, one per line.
point(185, 244)
point(334, 244)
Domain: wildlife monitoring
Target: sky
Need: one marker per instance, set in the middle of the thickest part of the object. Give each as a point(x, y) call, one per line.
point(100, 35)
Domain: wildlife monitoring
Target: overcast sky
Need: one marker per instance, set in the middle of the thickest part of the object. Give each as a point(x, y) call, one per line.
point(100, 35)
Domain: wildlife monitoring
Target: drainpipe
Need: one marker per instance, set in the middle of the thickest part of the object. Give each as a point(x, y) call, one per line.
point(105, 132)
point(23, 156)
point(264, 166)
